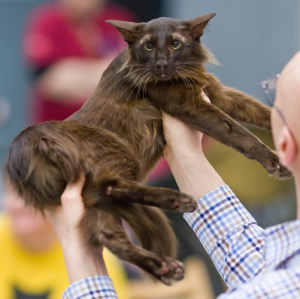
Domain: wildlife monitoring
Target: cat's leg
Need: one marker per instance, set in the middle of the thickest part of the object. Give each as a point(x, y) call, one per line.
point(239, 105)
point(104, 229)
point(134, 192)
point(210, 120)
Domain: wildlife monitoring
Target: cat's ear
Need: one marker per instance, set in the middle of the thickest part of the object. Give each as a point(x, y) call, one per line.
point(197, 25)
point(127, 29)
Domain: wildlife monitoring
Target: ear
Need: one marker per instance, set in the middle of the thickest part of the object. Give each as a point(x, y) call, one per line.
point(198, 24)
point(127, 29)
point(287, 148)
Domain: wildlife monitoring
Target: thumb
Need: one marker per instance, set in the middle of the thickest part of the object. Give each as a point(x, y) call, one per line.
point(73, 191)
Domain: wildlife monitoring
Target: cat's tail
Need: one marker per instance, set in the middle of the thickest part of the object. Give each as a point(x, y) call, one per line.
point(151, 227)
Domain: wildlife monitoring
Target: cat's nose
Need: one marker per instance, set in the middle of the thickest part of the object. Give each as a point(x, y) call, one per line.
point(162, 64)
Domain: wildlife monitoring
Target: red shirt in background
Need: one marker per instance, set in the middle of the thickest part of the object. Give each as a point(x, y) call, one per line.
point(50, 36)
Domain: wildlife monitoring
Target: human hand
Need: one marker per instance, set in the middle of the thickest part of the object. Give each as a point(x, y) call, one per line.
point(66, 218)
point(81, 261)
point(181, 139)
point(183, 151)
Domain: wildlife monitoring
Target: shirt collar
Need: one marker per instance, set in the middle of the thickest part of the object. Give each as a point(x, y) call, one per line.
point(282, 244)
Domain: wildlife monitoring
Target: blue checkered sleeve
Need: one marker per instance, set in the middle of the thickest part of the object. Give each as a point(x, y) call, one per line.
point(97, 287)
point(229, 234)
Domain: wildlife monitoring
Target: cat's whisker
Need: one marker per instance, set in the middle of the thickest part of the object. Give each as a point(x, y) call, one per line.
point(138, 79)
point(192, 84)
point(106, 94)
point(134, 66)
point(198, 80)
point(192, 71)
point(131, 88)
point(145, 84)
point(185, 81)
point(132, 85)
point(191, 78)
point(116, 82)
point(133, 75)
point(195, 85)
point(141, 84)
point(185, 77)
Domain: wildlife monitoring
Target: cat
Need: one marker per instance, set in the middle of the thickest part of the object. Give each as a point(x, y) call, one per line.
point(117, 138)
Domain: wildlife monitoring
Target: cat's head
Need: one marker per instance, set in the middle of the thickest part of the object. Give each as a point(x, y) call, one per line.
point(165, 48)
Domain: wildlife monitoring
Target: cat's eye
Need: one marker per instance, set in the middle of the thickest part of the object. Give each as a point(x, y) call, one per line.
point(176, 44)
point(148, 46)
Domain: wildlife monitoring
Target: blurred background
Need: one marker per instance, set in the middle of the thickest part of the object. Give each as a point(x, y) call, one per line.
point(44, 65)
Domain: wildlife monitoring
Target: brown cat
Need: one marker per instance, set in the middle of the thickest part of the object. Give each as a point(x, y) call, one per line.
point(117, 137)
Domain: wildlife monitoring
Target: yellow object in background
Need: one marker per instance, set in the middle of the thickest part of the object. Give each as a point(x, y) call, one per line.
point(247, 178)
point(41, 275)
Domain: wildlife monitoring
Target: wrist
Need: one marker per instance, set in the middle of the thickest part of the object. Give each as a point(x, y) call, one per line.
point(183, 156)
point(193, 173)
point(82, 261)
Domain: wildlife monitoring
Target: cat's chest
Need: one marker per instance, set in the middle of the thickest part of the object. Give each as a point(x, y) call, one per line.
point(139, 122)
point(165, 94)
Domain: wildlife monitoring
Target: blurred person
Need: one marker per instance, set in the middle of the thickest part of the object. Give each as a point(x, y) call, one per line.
point(31, 260)
point(254, 263)
point(67, 46)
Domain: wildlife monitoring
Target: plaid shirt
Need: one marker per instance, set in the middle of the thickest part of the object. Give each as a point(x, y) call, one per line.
point(269, 261)
point(91, 288)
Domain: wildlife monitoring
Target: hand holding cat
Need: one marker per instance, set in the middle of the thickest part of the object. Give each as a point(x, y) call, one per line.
point(183, 151)
point(65, 220)
point(66, 217)
point(181, 139)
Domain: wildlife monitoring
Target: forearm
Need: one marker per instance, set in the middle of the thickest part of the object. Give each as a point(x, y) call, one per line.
point(72, 79)
point(78, 256)
point(87, 272)
point(225, 228)
point(193, 173)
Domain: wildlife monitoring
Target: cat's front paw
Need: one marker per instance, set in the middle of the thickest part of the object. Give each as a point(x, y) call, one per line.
point(277, 170)
point(281, 172)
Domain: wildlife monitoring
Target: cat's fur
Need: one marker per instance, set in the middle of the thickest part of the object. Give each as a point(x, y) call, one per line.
point(117, 137)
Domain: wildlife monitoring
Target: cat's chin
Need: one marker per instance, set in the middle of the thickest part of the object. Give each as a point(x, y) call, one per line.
point(164, 76)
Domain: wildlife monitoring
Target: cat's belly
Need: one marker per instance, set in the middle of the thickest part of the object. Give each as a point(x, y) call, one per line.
point(140, 125)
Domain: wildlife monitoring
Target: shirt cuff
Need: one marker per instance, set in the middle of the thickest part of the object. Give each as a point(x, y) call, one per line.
point(90, 288)
point(219, 214)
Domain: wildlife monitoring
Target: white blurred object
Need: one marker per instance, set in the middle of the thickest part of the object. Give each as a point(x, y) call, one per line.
point(5, 111)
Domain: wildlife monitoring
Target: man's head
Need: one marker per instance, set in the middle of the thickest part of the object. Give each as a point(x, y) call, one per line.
point(286, 116)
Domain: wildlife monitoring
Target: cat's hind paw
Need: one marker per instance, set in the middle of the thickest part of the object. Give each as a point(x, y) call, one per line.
point(176, 201)
point(170, 270)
